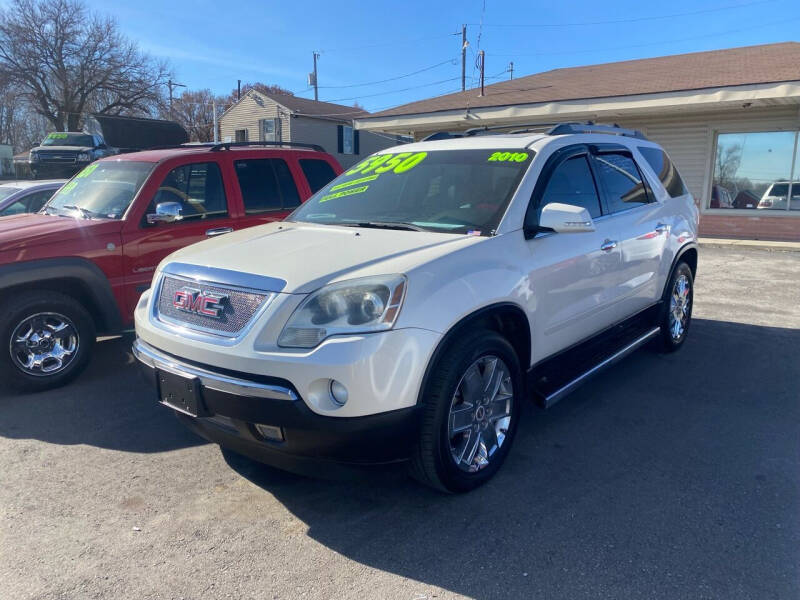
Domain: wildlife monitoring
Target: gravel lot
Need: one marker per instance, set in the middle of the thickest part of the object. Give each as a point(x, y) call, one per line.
point(665, 477)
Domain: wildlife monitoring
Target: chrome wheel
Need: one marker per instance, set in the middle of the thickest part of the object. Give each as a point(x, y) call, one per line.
point(679, 304)
point(480, 413)
point(44, 344)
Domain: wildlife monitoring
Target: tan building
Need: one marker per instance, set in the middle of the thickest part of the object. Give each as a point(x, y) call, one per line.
point(283, 118)
point(728, 118)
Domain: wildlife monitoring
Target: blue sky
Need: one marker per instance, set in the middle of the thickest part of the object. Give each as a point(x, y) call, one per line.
point(212, 44)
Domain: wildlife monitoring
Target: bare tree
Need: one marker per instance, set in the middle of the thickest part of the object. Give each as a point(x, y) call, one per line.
point(264, 88)
point(728, 160)
point(194, 110)
point(66, 62)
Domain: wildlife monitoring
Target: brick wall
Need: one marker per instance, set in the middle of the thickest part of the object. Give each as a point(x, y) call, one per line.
point(752, 228)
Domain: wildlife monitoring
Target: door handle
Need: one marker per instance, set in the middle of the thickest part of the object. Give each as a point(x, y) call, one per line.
point(608, 245)
point(218, 231)
point(661, 228)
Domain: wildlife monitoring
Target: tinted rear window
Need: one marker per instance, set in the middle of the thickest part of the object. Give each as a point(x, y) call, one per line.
point(318, 173)
point(666, 171)
point(266, 184)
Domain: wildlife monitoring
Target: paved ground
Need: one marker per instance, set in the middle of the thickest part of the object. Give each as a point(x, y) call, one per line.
point(666, 477)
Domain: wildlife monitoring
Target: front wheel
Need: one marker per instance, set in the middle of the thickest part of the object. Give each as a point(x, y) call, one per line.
point(46, 340)
point(471, 405)
point(677, 311)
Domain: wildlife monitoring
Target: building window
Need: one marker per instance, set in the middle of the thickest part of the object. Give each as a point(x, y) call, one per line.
point(348, 140)
point(757, 171)
point(270, 130)
point(241, 135)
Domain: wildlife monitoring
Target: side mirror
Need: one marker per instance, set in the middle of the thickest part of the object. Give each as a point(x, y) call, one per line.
point(566, 218)
point(102, 147)
point(166, 212)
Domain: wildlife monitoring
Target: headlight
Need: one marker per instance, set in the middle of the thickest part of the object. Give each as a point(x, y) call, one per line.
point(84, 156)
point(33, 156)
point(359, 305)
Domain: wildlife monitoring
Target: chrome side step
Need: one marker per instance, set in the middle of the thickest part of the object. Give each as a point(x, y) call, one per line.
point(553, 397)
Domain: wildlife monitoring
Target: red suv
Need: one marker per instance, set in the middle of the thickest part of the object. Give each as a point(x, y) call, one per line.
point(77, 268)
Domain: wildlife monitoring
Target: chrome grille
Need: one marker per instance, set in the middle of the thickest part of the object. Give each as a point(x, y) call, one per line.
point(57, 156)
point(238, 309)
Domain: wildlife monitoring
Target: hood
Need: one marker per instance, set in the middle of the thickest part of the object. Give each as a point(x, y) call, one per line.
point(18, 232)
point(308, 256)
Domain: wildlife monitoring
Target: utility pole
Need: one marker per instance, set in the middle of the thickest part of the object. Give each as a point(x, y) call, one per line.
point(482, 60)
point(463, 57)
point(171, 85)
point(238, 89)
point(511, 69)
point(313, 78)
point(216, 129)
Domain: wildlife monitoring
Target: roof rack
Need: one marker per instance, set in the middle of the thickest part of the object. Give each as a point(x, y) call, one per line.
point(590, 127)
point(549, 128)
point(229, 145)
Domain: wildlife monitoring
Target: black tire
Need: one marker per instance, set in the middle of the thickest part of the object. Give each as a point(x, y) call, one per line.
point(15, 312)
point(669, 341)
point(432, 461)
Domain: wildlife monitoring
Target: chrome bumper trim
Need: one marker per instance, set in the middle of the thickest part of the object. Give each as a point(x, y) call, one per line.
point(155, 359)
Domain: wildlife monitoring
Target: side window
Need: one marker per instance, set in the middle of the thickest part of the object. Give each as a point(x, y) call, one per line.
point(266, 184)
point(666, 171)
point(318, 173)
point(621, 180)
point(17, 208)
point(37, 200)
point(197, 187)
point(291, 198)
point(572, 183)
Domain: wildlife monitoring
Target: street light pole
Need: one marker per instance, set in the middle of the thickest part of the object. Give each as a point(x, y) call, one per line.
point(171, 85)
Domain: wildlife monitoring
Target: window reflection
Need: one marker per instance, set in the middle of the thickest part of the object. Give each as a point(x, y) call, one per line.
point(754, 171)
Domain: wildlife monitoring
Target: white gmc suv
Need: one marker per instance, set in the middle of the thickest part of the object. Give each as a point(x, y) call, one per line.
point(406, 309)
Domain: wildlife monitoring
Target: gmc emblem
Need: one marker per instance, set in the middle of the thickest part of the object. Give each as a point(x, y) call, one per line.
point(199, 302)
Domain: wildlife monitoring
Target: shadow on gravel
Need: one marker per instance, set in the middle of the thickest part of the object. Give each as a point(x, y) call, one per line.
point(666, 476)
point(108, 406)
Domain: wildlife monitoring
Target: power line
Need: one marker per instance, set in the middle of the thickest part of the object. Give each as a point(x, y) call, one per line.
point(659, 43)
point(450, 61)
point(633, 20)
point(384, 44)
point(395, 91)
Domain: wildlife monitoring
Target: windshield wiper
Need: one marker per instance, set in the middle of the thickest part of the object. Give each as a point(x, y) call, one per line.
point(85, 212)
point(386, 225)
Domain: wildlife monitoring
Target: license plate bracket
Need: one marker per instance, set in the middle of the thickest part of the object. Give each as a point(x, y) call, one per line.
point(181, 393)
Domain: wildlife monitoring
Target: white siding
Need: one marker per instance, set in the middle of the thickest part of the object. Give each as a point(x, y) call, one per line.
point(248, 113)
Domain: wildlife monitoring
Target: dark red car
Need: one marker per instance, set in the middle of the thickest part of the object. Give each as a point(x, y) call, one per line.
point(76, 269)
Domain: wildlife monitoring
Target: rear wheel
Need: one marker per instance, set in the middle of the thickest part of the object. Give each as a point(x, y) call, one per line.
point(677, 311)
point(470, 412)
point(46, 340)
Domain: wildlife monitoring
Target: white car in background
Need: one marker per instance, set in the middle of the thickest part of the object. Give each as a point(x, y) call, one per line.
point(404, 311)
point(776, 197)
point(19, 197)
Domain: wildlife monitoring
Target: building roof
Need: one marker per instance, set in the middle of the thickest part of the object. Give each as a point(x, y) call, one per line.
point(307, 107)
point(316, 108)
point(769, 63)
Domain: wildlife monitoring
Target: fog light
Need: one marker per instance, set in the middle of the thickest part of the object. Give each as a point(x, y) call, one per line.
point(338, 393)
point(270, 432)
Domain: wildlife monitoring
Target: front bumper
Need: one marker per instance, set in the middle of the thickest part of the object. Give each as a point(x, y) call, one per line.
point(311, 443)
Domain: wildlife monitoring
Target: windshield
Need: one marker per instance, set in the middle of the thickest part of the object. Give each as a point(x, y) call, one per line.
point(68, 139)
point(456, 191)
point(6, 191)
point(103, 190)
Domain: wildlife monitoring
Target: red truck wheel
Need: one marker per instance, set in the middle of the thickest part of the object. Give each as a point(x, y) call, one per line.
point(46, 339)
